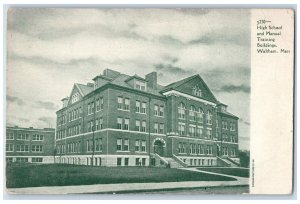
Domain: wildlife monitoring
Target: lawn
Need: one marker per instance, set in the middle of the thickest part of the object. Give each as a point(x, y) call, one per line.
point(229, 171)
point(65, 175)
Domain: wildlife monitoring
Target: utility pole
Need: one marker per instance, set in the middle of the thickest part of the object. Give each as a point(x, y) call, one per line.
point(149, 127)
point(93, 129)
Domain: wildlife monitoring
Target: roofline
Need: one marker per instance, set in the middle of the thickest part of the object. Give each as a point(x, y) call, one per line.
point(31, 129)
point(108, 85)
point(227, 114)
point(190, 78)
point(136, 77)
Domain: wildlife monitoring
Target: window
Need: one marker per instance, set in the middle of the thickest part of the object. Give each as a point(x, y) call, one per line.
point(126, 145)
point(209, 134)
point(180, 147)
point(224, 137)
point(156, 127)
point(143, 146)
point(22, 159)
point(101, 123)
point(9, 136)
point(37, 160)
point(224, 125)
point(119, 144)
point(98, 144)
point(137, 125)
point(197, 91)
point(23, 137)
point(200, 115)
point(161, 111)
point(143, 110)
point(92, 107)
point(137, 106)
point(181, 127)
point(143, 161)
point(127, 104)
point(37, 148)
point(137, 145)
point(80, 112)
point(232, 126)
point(140, 85)
point(37, 137)
point(156, 110)
point(143, 126)
point(137, 162)
point(192, 113)
point(9, 147)
point(225, 151)
point(209, 117)
point(97, 124)
point(91, 125)
point(126, 161)
point(89, 144)
point(98, 104)
point(199, 131)
point(89, 111)
point(119, 123)
point(209, 149)
point(75, 97)
point(192, 130)
point(119, 161)
point(126, 124)
point(217, 123)
point(181, 111)
point(101, 103)
point(161, 128)
point(22, 148)
point(120, 103)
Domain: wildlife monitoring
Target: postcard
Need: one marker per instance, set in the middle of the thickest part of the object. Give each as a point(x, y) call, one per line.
point(164, 101)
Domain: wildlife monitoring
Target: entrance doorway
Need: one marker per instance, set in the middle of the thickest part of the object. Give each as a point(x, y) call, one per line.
point(159, 147)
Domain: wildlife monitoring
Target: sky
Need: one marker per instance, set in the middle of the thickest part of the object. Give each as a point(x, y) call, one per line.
point(50, 49)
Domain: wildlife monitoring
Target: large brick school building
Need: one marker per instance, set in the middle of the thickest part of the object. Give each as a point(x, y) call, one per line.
point(122, 120)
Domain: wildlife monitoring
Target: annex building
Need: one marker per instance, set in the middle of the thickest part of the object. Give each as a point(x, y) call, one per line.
point(121, 120)
point(30, 145)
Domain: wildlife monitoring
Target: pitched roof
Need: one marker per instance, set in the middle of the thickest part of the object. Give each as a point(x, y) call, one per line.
point(178, 83)
point(123, 78)
point(84, 89)
point(227, 113)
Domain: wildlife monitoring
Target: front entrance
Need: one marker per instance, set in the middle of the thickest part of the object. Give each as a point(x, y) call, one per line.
point(159, 147)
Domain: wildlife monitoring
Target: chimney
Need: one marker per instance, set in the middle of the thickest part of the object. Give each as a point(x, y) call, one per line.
point(151, 79)
point(90, 84)
point(111, 73)
point(65, 102)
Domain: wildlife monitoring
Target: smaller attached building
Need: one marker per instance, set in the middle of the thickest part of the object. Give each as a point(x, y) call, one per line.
point(30, 145)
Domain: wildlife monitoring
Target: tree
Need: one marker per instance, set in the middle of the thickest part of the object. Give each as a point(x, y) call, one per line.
point(244, 158)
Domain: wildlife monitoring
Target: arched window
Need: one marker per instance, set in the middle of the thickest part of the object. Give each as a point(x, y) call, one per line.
point(209, 117)
point(181, 111)
point(200, 115)
point(192, 113)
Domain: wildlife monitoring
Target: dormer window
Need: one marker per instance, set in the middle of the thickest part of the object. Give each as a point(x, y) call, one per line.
point(75, 97)
point(140, 85)
point(223, 108)
point(197, 91)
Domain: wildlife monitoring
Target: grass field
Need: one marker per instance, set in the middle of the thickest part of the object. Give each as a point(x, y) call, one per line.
point(65, 175)
point(229, 171)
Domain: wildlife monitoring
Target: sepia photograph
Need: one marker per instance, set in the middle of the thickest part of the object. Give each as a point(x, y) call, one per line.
point(128, 101)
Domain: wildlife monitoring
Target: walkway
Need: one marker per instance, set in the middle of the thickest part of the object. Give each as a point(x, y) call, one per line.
point(130, 187)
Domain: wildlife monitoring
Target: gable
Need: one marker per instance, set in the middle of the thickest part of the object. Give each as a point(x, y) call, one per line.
point(196, 87)
point(76, 95)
